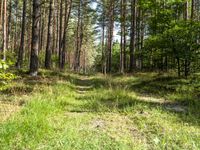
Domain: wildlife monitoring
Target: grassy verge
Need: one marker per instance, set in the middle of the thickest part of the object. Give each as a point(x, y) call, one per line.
point(63, 111)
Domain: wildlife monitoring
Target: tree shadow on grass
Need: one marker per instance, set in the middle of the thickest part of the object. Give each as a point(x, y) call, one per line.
point(156, 86)
point(124, 103)
point(175, 89)
point(17, 90)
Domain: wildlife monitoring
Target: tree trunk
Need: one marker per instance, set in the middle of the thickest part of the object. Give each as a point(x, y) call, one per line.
point(49, 37)
point(66, 21)
point(60, 33)
point(5, 30)
point(110, 34)
point(186, 11)
point(57, 31)
point(54, 29)
point(103, 43)
point(123, 36)
point(132, 40)
point(1, 13)
point(9, 23)
point(186, 61)
point(21, 49)
point(34, 62)
point(139, 48)
point(142, 38)
point(192, 9)
point(15, 42)
point(78, 39)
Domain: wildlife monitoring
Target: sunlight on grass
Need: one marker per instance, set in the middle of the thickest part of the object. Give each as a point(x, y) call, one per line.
point(64, 111)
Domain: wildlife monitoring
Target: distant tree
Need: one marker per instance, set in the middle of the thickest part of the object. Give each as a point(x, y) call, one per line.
point(68, 7)
point(123, 36)
point(4, 29)
point(132, 36)
point(21, 49)
point(110, 30)
point(49, 37)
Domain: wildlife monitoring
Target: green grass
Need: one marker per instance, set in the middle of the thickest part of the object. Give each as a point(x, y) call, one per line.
point(70, 111)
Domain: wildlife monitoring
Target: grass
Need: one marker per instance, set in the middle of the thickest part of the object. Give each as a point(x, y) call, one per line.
point(70, 111)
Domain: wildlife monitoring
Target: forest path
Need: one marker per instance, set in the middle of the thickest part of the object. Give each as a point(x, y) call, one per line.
point(85, 84)
point(95, 112)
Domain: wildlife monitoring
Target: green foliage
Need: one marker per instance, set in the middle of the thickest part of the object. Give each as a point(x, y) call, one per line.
point(116, 56)
point(3, 65)
point(179, 41)
point(5, 76)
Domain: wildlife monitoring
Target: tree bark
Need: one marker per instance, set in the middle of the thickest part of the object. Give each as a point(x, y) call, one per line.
point(15, 42)
point(132, 40)
point(60, 34)
point(34, 62)
point(1, 12)
point(9, 23)
point(66, 21)
point(21, 49)
point(110, 34)
point(123, 36)
point(186, 11)
point(192, 9)
point(79, 36)
point(103, 59)
point(49, 37)
point(5, 30)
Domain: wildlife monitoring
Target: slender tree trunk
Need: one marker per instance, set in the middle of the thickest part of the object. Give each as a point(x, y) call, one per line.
point(54, 29)
point(29, 34)
point(1, 12)
point(9, 23)
point(57, 31)
point(5, 30)
point(21, 49)
point(132, 40)
point(103, 44)
point(49, 37)
point(66, 21)
point(138, 31)
point(186, 61)
point(42, 29)
point(186, 11)
point(122, 45)
point(60, 34)
point(142, 38)
point(78, 39)
point(15, 42)
point(124, 35)
point(34, 62)
point(192, 9)
point(84, 61)
point(110, 34)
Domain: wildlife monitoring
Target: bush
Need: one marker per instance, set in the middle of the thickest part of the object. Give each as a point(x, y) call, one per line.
point(5, 76)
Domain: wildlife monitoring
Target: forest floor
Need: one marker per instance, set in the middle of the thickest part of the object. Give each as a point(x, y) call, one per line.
point(76, 112)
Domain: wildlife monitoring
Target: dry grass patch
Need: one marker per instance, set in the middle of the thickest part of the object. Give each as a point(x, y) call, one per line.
point(7, 110)
point(119, 127)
